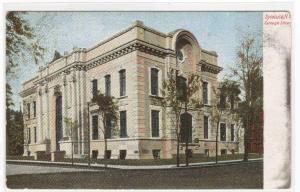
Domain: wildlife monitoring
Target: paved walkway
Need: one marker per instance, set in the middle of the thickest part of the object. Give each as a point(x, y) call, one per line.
point(84, 165)
point(13, 169)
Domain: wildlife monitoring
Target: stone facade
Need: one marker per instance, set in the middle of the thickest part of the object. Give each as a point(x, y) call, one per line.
point(63, 89)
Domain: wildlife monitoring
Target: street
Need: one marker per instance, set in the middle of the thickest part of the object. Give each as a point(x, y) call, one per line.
point(247, 176)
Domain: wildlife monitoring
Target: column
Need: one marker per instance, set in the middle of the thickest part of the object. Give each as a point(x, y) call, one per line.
point(82, 105)
point(48, 113)
point(74, 108)
point(64, 106)
point(78, 95)
point(40, 115)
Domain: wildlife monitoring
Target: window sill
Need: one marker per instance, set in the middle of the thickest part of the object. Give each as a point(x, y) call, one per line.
point(122, 97)
point(156, 96)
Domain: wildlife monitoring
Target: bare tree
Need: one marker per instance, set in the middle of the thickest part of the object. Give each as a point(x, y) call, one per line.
point(108, 111)
point(248, 71)
point(179, 96)
point(223, 106)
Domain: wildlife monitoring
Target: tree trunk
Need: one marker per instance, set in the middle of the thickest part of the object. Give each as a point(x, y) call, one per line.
point(105, 142)
point(177, 148)
point(246, 141)
point(217, 135)
point(105, 152)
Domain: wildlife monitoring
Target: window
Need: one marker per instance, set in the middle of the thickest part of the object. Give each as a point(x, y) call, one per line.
point(35, 139)
point(107, 154)
point(123, 131)
point(154, 81)
point(95, 127)
point(232, 132)
point(29, 136)
point(122, 154)
point(156, 153)
point(28, 110)
point(107, 85)
point(223, 131)
point(95, 87)
point(34, 109)
point(232, 102)
point(122, 74)
point(205, 127)
point(181, 87)
point(223, 151)
point(155, 123)
point(205, 92)
point(222, 101)
point(94, 154)
point(108, 129)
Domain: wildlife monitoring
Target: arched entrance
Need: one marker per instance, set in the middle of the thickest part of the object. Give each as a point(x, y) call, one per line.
point(186, 127)
point(58, 120)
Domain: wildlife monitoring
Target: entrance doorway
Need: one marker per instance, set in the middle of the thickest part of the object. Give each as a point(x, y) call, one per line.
point(58, 121)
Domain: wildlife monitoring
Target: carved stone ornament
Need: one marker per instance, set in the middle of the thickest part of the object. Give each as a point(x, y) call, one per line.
point(57, 91)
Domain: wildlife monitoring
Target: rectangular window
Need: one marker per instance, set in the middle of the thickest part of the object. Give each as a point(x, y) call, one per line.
point(28, 110)
point(123, 131)
point(35, 139)
point(232, 102)
point(95, 87)
point(107, 85)
point(108, 129)
point(223, 151)
point(34, 109)
point(29, 136)
point(205, 92)
point(95, 127)
point(232, 132)
point(222, 101)
point(155, 123)
point(122, 154)
point(122, 74)
point(156, 153)
point(223, 131)
point(154, 81)
point(205, 127)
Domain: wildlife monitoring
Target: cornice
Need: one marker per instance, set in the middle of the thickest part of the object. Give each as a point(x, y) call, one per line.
point(28, 91)
point(128, 48)
point(207, 67)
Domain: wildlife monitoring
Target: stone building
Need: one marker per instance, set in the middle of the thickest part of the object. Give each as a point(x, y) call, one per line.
point(130, 66)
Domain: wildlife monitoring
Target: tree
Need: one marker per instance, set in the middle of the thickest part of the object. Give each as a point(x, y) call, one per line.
point(20, 40)
point(178, 96)
point(248, 71)
point(170, 101)
point(108, 111)
point(71, 127)
point(228, 90)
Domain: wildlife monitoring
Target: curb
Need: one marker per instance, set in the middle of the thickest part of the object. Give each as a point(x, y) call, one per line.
point(132, 167)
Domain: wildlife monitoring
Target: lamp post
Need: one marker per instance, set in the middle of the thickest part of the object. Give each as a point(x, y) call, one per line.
point(89, 139)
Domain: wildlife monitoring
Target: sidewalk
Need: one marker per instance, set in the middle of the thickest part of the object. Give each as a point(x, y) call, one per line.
point(131, 167)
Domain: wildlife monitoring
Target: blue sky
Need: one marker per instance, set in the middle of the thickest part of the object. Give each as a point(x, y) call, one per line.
point(218, 31)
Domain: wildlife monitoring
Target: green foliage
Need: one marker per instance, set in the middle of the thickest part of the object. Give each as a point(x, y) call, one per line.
point(14, 132)
point(108, 109)
point(20, 40)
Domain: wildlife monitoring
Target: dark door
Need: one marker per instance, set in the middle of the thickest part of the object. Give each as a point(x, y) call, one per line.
point(186, 127)
point(58, 122)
